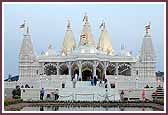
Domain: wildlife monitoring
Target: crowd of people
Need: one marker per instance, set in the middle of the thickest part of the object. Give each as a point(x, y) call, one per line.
point(94, 81)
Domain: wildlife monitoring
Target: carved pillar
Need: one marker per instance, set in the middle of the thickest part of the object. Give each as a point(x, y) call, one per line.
point(69, 69)
point(105, 68)
point(116, 68)
point(94, 68)
point(132, 69)
point(80, 69)
point(57, 68)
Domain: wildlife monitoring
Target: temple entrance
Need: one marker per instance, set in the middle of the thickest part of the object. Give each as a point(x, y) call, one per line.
point(87, 71)
point(63, 70)
point(86, 74)
point(74, 70)
point(99, 71)
point(111, 69)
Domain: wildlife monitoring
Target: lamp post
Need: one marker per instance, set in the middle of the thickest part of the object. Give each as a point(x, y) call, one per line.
point(116, 81)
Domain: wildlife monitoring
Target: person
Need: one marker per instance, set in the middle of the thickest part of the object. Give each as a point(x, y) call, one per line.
point(42, 93)
point(105, 83)
point(94, 80)
point(106, 96)
point(122, 95)
point(100, 83)
point(76, 76)
point(41, 108)
point(56, 93)
point(91, 80)
point(74, 82)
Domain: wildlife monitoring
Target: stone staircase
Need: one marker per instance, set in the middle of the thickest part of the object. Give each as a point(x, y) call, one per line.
point(85, 92)
point(158, 94)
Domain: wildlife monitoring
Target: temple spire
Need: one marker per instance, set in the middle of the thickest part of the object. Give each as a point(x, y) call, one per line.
point(26, 47)
point(104, 40)
point(147, 50)
point(69, 43)
point(86, 37)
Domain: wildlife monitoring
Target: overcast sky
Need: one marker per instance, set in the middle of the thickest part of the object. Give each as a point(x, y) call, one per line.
point(47, 24)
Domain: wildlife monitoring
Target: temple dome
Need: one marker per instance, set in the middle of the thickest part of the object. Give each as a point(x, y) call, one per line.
point(50, 51)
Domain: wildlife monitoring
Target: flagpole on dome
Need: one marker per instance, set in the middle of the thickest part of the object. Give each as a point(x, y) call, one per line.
point(147, 28)
point(24, 28)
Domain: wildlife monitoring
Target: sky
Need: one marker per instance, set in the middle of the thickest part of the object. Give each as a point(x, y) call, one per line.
point(47, 23)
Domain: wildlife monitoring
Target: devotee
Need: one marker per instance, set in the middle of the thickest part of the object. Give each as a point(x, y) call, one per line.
point(74, 82)
point(95, 80)
point(91, 80)
point(106, 96)
point(42, 93)
point(56, 93)
point(105, 83)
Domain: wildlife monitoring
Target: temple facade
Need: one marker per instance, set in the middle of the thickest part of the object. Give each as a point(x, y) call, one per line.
point(87, 59)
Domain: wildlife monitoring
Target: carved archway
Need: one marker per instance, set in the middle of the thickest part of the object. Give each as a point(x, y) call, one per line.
point(100, 70)
point(50, 69)
point(63, 69)
point(87, 71)
point(111, 69)
point(74, 69)
point(124, 69)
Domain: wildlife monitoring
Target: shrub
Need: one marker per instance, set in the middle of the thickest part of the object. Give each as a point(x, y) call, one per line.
point(11, 101)
point(16, 93)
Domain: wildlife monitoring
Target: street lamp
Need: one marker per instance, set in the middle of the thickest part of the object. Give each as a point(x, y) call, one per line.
point(116, 81)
